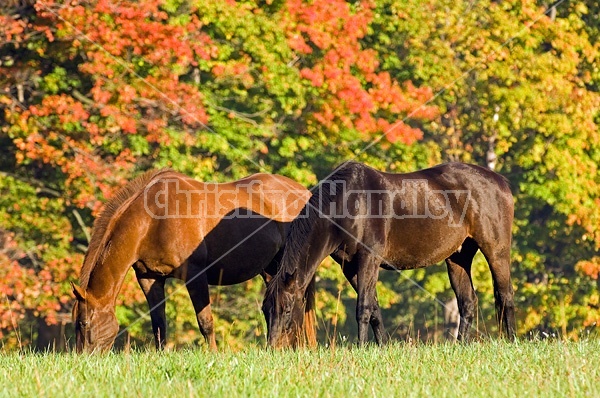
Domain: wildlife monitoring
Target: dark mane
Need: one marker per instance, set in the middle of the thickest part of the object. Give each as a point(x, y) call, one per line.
point(104, 224)
point(304, 224)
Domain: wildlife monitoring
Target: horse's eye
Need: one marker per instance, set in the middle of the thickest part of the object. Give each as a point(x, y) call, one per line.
point(83, 323)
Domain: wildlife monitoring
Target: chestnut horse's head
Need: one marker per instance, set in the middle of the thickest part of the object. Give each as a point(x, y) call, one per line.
point(283, 307)
point(96, 326)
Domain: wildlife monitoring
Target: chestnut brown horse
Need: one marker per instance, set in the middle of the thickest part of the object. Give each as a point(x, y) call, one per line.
point(366, 219)
point(166, 224)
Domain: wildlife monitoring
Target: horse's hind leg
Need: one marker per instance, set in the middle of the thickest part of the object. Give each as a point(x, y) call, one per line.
point(154, 290)
point(350, 270)
point(499, 262)
point(459, 270)
point(367, 307)
point(197, 286)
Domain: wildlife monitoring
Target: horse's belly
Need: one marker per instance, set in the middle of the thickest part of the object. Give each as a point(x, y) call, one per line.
point(240, 257)
point(222, 275)
point(411, 248)
point(153, 267)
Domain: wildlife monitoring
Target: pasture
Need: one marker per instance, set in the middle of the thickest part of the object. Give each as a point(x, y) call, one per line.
point(482, 369)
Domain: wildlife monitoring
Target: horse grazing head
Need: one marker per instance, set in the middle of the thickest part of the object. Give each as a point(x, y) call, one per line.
point(283, 307)
point(96, 326)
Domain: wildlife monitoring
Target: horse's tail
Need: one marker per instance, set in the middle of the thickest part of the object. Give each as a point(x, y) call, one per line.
point(310, 319)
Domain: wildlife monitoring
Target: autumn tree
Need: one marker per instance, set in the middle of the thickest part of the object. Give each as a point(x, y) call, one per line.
point(95, 92)
point(514, 81)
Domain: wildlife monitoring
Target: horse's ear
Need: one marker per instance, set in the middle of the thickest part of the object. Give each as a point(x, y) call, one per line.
point(290, 278)
point(78, 292)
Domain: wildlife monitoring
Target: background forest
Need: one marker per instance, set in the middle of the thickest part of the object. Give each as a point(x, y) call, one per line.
point(93, 93)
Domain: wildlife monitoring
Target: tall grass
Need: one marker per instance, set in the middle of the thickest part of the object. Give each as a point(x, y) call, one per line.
point(485, 369)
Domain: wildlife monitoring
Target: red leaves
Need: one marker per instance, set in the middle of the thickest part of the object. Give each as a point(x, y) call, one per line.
point(402, 132)
point(355, 95)
point(136, 43)
point(26, 290)
point(99, 95)
point(59, 130)
point(134, 59)
point(317, 79)
point(11, 29)
point(125, 28)
point(126, 94)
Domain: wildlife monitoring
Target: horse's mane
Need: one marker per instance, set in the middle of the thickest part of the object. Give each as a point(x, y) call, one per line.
point(104, 224)
point(304, 224)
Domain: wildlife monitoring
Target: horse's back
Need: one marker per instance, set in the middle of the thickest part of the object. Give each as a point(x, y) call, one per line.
point(454, 175)
point(465, 172)
point(489, 192)
point(234, 229)
point(279, 197)
point(422, 217)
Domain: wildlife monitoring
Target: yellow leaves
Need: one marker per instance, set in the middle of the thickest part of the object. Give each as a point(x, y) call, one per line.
point(581, 7)
point(594, 299)
point(386, 296)
point(531, 320)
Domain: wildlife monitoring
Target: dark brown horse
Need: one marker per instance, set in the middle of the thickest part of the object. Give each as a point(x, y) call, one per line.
point(366, 219)
point(166, 224)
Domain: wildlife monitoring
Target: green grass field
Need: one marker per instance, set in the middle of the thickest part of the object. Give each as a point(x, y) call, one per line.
point(485, 369)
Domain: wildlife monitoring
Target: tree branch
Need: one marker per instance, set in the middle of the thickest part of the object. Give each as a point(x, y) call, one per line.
point(40, 187)
point(84, 228)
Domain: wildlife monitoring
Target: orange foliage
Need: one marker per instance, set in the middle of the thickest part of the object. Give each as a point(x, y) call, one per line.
point(590, 268)
point(356, 94)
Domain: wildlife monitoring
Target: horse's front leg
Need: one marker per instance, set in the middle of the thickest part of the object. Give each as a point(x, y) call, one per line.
point(197, 286)
point(367, 308)
point(154, 290)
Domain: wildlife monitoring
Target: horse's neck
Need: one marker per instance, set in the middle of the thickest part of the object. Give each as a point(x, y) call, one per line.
point(108, 275)
point(312, 249)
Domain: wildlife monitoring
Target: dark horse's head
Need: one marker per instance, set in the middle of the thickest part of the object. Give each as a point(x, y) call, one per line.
point(96, 325)
point(283, 307)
